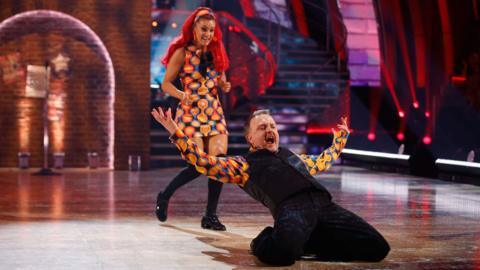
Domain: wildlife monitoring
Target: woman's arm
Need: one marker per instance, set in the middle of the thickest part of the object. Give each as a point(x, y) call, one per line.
point(173, 67)
point(224, 84)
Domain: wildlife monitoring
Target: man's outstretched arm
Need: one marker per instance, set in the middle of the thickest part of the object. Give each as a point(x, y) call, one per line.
point(223, 169)
point(324, 161)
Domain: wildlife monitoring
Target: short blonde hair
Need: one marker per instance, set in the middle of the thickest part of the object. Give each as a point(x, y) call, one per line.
point(246, 126)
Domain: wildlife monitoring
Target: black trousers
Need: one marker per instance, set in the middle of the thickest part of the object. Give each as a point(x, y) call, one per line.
point(308, 223)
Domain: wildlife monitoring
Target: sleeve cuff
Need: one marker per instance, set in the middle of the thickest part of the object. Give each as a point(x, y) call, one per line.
point(177, 135)
point(341, 134)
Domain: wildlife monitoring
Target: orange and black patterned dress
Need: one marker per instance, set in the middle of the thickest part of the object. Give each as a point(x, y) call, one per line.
point(204, 117)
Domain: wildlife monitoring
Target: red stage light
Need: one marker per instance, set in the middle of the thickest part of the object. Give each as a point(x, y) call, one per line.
point(400, 136)
point(427, 140)
point(458, 78)
point(230, 28)
point(371, 136)
point(427, 114)
point(401, 114)
point(416, 105)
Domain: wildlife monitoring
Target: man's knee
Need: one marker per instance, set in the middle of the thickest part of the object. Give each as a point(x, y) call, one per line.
point(377, 250)
point(260, 240)
point(279, 250)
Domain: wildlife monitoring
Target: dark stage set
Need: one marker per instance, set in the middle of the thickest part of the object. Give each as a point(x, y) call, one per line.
point(82, 159)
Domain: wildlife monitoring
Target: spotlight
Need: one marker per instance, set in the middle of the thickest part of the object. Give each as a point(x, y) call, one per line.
point(401, 114)
point(400, 136)
point(371, 136)
point(154, 23)
point(427, 114)
point(230, 28)
point(427, 140)
point(174, 25)
point(416, 105)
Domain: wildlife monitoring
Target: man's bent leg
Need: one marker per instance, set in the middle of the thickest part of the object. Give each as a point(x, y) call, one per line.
point(340, 235)
point(283, 244)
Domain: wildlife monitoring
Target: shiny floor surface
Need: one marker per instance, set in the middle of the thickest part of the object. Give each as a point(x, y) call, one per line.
point(104, 220)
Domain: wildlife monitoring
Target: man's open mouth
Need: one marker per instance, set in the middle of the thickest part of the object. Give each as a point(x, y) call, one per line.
point(270, 138)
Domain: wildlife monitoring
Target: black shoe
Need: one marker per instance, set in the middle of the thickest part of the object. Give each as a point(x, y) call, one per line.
point(211, 222)
point(161, 208)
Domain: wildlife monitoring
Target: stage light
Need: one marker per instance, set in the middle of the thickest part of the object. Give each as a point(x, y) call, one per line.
point(416, 105)
point(400, 136)
point(371, 136)
point(458, 163)
point(374, 154)
point(154, 23)
point(460, 168)
point(427, 114)
point(427, 140)
point(230, 28)
point(174, 25)
point(377, 158)
point(457, 79)
point(401, 114)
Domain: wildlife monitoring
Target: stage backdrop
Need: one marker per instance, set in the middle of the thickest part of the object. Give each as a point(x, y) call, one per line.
point(98, 56)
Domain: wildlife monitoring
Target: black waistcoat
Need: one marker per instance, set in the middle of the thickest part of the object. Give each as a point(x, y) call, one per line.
point(275, 177)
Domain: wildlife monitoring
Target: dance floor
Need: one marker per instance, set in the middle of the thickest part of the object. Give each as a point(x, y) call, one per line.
point(99, 219)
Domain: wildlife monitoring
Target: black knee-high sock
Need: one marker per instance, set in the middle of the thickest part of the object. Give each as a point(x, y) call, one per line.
point(214, 190)
point(184, 176)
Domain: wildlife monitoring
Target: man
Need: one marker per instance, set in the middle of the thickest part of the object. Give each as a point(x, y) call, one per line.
point(306, 219)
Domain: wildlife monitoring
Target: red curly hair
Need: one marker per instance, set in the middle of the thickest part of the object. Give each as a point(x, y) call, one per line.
point(216, 47)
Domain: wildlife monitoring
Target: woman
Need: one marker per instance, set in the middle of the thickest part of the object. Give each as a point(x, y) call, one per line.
point(199, 58)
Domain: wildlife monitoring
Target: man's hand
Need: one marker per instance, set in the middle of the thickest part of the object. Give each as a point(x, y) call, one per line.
point(165, 119)
point(343, 125)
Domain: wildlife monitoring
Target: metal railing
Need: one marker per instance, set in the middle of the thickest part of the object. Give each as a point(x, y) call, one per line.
point(329, 34)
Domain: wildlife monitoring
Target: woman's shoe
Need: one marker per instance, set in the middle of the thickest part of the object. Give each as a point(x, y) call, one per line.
point(161, 208)
point(212, 222)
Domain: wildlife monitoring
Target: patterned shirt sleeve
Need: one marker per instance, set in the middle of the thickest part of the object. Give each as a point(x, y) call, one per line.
point(324, 161)
point(224, 169)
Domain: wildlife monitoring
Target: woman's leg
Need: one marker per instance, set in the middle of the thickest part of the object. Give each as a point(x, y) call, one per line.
point(185, 176)
point(217, 146)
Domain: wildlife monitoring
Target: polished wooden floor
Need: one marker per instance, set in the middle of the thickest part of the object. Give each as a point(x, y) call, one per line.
point(97, 219)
